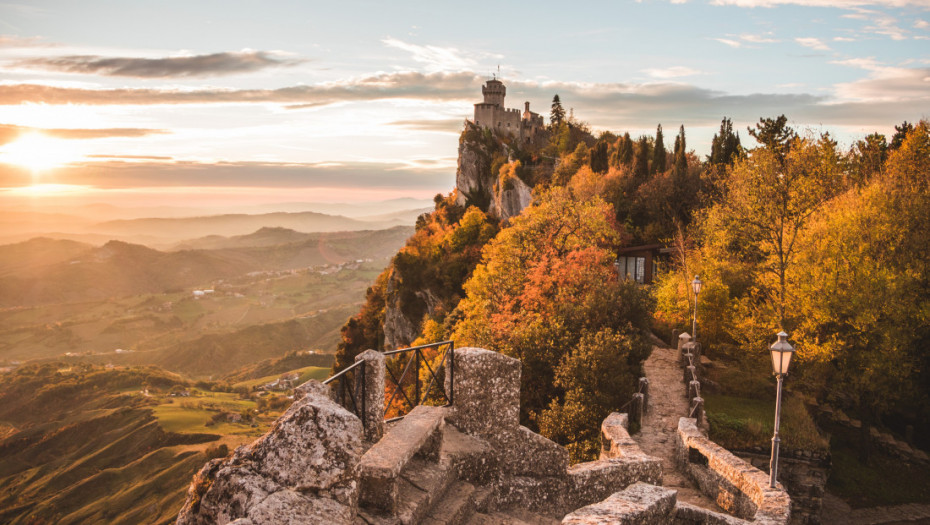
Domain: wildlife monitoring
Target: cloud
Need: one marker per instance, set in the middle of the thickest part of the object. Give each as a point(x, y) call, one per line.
point(759, 39)
point(435, 86)
point(9, 132)
point(215, 64)
point(812, 43)
point(673, 72)
point(824, 3)
point(921, 24)
point(452, 125)
point(843, 39)
point(435, 58)
point(886, 84)
point(351, 175)
point(12, 41)
point(729, 42)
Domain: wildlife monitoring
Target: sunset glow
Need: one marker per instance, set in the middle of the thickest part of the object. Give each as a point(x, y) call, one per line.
point(37, 152)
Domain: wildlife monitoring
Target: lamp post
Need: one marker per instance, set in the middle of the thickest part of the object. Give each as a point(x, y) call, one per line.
point(696, 286)
point(781, 358)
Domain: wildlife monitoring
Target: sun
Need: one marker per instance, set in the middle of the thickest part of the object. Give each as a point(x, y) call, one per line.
point(38, 152)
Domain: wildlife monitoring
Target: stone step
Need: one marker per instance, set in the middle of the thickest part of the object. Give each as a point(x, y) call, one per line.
point(473, 458)
point(418, 435)
point(512, 517)
point(455, 508)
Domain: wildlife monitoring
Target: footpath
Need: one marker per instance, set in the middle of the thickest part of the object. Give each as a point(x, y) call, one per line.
point(667, 403)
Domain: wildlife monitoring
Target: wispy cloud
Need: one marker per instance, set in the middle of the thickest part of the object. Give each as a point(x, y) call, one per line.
point(215, 64)
point(765, 38)
point(414, 85)
point(843, 39)
point(452, 125)
point(729, 42)
point(812, 43)
point(9, 132)
point(921, 24)
point(886, 84)
point(672, 72)
point(434, 58)
point(823, 3)
point(13, 41)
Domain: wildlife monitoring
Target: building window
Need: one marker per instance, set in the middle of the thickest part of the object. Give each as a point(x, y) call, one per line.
point(632, 268)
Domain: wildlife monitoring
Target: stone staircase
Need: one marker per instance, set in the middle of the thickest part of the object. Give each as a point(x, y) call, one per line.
point(424, 471)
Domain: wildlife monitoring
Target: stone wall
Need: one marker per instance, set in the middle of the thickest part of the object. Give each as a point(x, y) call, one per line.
point(735, 485)
point(804, 476)
point(533, 472)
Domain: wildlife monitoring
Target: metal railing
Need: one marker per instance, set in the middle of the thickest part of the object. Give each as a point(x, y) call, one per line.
point(349, 390)
point(408, 387)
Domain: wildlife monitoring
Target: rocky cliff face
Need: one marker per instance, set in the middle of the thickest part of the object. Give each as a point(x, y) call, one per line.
point(400, 326)
point(475, 180)
point(304, 470)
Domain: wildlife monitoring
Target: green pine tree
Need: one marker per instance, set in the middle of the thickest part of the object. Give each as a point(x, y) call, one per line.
point(658, 153)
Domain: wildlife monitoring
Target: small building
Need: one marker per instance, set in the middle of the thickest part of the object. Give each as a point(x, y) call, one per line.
point(641, 263)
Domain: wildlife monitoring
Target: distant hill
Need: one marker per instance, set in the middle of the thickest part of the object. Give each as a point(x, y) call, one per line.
point(26, 257)
point(235, 224)
point(65, 272)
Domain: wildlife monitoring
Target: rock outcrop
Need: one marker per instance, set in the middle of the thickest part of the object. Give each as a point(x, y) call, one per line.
point(477, 183)
point(304, 470)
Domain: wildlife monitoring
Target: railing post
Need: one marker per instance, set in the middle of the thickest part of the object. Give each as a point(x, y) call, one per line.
point(644, 390)
point(683, 339)
point(694, 389)
point(636, 410)
point(697, 410)
point(371, 377)
point(451, 358)
point(416, 378)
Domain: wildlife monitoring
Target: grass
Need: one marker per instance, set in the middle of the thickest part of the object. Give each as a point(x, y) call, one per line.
point(190, 415)
point(740, 423)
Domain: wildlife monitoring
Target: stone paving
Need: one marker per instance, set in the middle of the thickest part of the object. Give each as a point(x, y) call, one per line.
point(667, 403)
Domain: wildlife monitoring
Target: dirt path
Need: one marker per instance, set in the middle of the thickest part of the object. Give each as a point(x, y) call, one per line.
point(667, 403)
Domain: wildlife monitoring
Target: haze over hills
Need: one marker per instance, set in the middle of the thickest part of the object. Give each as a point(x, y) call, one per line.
point(44, 271)
point(161, 227)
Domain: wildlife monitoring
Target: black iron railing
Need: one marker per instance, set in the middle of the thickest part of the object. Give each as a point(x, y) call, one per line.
point(404, 381)
point(348, 387)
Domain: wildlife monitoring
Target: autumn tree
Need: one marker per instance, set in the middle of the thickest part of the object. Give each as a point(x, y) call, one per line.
point(900, 133)
point(625, 150)
point(546, 293)
point(599, 159)
point(862, 282)
point(766, 202)
point(641, 160)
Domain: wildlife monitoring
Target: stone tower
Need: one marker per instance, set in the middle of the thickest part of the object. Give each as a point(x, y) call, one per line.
point(494, 92)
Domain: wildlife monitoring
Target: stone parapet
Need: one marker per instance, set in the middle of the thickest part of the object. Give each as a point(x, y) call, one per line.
point(736, 486)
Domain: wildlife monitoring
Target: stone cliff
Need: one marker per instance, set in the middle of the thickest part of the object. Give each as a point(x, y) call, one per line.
point(478, 183)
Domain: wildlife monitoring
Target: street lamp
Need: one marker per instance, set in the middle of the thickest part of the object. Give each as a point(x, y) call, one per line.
point(781, 358)
point(696, 286)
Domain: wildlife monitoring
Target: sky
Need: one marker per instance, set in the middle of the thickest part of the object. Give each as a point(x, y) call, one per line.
point(248, 102)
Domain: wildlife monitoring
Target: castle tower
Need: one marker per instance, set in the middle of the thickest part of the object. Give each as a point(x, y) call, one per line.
point(494, 92)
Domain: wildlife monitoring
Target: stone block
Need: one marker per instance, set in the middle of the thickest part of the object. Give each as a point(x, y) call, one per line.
point(526, 453)
point(310, 457)
point(487, 392)
point(593, 481)
point(640, 504)
point(380, 467)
